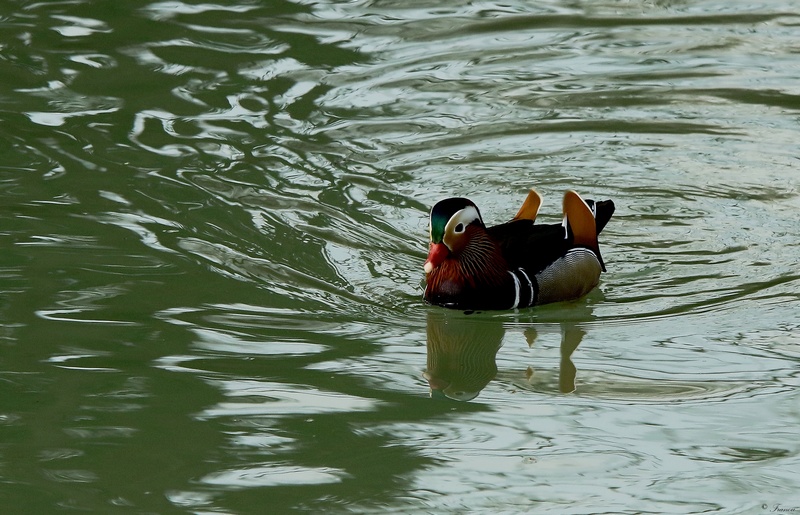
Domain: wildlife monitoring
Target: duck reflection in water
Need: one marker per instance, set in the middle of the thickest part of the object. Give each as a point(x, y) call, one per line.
point(462, 352)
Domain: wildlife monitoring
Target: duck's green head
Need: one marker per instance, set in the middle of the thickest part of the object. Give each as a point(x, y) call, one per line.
point(452, 216)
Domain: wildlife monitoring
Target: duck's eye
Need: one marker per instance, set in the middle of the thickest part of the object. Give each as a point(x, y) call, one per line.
point(460, 228)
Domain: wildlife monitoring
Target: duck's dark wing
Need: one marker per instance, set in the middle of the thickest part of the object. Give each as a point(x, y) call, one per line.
point(529, 246)
point(534, 247)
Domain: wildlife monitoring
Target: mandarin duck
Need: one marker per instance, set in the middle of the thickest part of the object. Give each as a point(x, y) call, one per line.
point(515, 264)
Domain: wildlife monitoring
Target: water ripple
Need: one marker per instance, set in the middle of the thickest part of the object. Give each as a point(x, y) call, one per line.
point(281, 399)
point(273, 475)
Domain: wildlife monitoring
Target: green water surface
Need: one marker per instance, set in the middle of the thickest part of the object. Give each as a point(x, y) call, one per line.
point(213, 220)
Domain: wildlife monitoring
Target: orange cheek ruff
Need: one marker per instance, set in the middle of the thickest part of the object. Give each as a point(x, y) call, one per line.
point(436, 255)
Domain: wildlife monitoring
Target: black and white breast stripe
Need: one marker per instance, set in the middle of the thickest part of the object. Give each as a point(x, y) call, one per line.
point(525, 289)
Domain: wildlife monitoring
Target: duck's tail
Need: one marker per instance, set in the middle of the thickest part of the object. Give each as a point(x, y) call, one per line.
point(602, 210)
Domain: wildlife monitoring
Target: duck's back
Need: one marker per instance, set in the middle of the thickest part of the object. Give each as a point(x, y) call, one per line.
point(529, 246)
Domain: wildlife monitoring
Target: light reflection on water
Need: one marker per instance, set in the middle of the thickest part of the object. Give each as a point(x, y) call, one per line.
point(214, 221)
